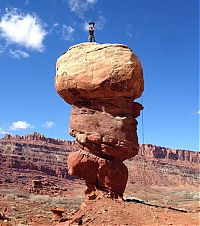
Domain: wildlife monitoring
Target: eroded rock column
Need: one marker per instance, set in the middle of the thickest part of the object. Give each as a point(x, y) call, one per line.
point(101, 82)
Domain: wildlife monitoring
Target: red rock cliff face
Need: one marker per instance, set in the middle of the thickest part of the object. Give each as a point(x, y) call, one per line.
point(159, 165)
point(36, 137)
point(157, 152)
point(36, 152)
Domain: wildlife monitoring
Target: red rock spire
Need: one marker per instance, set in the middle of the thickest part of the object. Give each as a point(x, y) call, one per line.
point(101, 83)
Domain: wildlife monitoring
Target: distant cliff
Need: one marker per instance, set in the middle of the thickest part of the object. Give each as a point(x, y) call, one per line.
point(35, 137)
point(156, 165)
point(36, 152)
point(160, 166)
point(153, 151)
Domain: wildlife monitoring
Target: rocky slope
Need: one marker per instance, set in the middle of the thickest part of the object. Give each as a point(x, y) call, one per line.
point(153, 166)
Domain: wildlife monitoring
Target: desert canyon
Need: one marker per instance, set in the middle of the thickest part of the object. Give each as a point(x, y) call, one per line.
point(104, 177)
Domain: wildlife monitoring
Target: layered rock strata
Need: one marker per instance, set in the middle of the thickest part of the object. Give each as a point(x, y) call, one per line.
point(153, 166)
point(101, 81)
point(36, 152)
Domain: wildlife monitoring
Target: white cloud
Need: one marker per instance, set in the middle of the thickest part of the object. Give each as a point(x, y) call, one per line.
point(19, 125)
point(99, 24)
point(53, 28)
point(1, 48)
point(129, 34)
point(80, 6)
point(23, 29)
point(91, 1)
point(128, 30)
point(49, 124)
point(3, 132)
point(198, 112)
point(67, 32)
point(55, 24)
point(85, 26)
point(26, 2)
point(18, 54)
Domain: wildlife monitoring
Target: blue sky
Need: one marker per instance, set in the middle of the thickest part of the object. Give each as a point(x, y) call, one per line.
point(163, 34)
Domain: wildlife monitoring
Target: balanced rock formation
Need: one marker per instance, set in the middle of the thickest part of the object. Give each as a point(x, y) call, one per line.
point(101, 81)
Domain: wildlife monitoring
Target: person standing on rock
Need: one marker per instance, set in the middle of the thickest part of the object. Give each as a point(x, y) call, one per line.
point(91, 32)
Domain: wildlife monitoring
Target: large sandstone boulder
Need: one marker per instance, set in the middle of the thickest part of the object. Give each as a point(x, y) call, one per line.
point(91, 71)
point(101, 82)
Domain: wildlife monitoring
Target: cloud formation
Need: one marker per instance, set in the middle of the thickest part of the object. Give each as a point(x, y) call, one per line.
point(23, 29)
point(18, 54)
point(53, 28)
point(3, 132)
point(80, 6)
point(49, 124)
point(128, 31)
point(67, 32)
point(19, 125)
point(99, 24)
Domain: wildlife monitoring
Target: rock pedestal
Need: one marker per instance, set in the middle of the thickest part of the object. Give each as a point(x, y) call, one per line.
point(101, 82)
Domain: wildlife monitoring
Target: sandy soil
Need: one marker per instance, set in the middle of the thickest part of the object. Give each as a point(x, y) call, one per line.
point(20, 206)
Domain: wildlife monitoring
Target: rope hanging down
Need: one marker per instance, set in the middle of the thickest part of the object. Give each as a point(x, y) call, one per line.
point(143, 158)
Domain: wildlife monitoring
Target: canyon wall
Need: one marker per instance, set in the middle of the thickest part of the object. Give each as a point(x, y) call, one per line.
point(153, 165)
point(36, 152)
point(157, 152)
